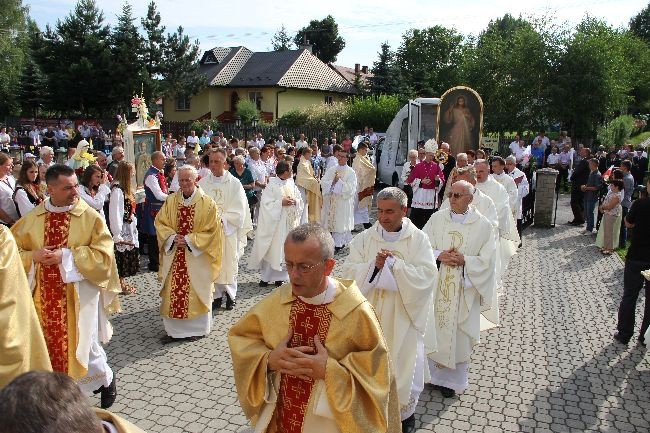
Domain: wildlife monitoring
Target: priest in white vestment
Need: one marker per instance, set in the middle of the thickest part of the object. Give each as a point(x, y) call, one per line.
point(228, 193)
point(280, 212)
point(190, 239)
point(485, 206)
point(339, 185)
point(366, 174)
point(393, 266)
point(499, 174)
point(523, 189)
point(462, 240)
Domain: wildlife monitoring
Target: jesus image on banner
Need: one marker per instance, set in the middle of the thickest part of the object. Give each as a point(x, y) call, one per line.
point(460, 122)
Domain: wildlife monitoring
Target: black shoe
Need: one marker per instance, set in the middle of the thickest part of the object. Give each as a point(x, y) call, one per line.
point(230, 303)
point(641, 340)
point(337, 249)
point(446, 392)
point(278, 283)
point(367, 226)
point(408, 425)
point(109, 394)
point(263, 283)
point(216, 304)
point(620, 339)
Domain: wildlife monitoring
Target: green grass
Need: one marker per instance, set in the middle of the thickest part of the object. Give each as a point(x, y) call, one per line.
point(638, 139)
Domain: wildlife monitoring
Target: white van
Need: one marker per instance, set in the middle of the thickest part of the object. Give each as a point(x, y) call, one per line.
point(416, 121)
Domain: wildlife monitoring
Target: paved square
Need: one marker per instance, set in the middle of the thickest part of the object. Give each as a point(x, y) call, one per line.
point(551, 366)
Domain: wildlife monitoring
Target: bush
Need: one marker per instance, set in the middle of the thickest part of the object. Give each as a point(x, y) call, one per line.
point(247, 111)
point(616, 132)
point(204, 125)
point(374, 111)
point(295, 118)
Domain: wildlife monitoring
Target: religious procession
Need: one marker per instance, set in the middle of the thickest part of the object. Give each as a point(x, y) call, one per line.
point(196, 267)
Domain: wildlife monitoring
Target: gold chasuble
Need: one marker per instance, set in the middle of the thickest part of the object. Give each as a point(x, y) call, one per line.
point(22, 346)
point(66, 320)
point(305, 179)
point(358, 393)
point(366, 175)
point(187, 275)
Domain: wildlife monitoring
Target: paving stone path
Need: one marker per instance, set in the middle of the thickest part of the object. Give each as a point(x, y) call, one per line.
point(551, 366)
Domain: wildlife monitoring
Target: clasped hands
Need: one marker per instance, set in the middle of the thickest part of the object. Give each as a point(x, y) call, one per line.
point(299, 361)
point(451, 257)
point(48, 255)
point(288, 201)
point(380, 260)
point(180, 241)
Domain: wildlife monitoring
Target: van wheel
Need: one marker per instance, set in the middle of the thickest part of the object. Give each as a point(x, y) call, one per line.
point(395, 180)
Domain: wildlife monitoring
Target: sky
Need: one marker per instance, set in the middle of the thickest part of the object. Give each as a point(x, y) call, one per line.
point(364, 24)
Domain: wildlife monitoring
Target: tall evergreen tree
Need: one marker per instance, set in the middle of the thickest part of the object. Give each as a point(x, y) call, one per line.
point(385, 74)
point(128, 68)
point(640, 24)
point(180, 71)
point(75, 57)
point(33, 90)
point(281, 40)
point(154, 48)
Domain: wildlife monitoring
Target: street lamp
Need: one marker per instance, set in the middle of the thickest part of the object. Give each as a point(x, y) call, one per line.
point(238, 121)
point(254, 122)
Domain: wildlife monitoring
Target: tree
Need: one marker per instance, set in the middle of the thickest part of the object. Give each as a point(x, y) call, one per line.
point(591, 80)
point(14, 47)
point(281, 40)
point(33, 90)
point(154, 47)
point(324, 37)
point(640, 24)
point(180, 69)
point(128, 69)
point(429, 60)
point(75, 57)
point(385, 74)
point(509, 65)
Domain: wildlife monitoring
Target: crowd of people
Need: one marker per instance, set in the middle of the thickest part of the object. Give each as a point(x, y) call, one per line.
point(350, 352)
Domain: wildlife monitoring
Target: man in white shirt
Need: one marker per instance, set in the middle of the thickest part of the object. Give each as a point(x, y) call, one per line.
point(514, 145)
point(372, 137)
point(259, 141)
point(192, 138)
point(522, 190)
point(5, 139)
point(280, 142)
point(522, 152)
point(35, 136)
point(62, 136)
point(301, 142)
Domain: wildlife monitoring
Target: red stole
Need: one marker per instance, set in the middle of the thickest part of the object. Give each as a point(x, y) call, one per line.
point(180, 280)
point(54, 302)
point(306, 320)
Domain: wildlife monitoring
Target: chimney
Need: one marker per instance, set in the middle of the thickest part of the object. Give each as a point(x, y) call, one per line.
point(364, 69)
point(307, 47)
point(357, 67)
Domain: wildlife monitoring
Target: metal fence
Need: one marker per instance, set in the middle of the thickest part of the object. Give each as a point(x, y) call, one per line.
point(182, 129)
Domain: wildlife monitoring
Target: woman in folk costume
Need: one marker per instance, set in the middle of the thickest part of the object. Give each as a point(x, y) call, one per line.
point(124, 224)
point(309, 188)
point(366, 175)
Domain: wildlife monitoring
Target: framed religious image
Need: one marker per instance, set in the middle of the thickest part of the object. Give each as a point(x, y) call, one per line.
point(460, 119)
point(144, 144)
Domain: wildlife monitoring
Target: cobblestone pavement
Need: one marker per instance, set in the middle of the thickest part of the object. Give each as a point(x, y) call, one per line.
point(551, 366)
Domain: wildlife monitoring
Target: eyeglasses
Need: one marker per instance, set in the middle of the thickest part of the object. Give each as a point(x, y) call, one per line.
point(455, 194)
point(301, 268)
